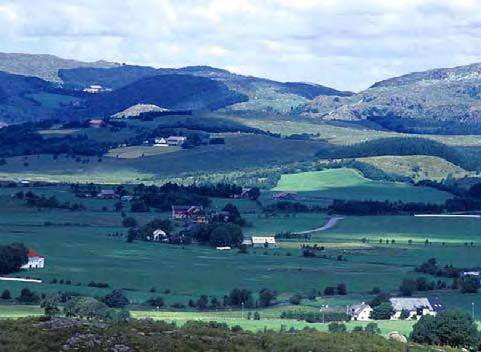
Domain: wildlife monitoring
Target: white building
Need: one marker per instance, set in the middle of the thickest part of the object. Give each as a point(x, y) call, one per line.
point(159, 235)
point(35, 261)
point(176, 140)
point(160, 142)
point(361, 312)
point(415, 306)
point(264, 242)
point(96, 89)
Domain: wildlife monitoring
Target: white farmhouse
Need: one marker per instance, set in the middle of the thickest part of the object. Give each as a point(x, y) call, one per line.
point(415, 306)
point(35, 261)
point(361, 312)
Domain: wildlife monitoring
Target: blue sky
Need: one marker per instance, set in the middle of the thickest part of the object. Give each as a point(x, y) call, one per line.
point(346, 44)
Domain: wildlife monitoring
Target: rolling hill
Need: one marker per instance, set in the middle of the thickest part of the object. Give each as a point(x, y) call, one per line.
point(45, 67)
point(440, 101)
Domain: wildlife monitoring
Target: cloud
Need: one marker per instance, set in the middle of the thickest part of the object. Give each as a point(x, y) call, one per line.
point(346, 44)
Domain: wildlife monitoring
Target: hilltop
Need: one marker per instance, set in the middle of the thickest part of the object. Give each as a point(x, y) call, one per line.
point(440, 101)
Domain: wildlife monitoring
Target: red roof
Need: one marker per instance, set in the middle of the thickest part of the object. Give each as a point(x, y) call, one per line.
point(32, 253)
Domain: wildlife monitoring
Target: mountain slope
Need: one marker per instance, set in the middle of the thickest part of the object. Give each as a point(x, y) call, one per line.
point(45, 67)
point(263, 94)
point(175, 92)
point(441, 101)
point(18, 98)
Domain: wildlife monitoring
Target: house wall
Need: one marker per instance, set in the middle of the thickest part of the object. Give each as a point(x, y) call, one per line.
point(35, 263)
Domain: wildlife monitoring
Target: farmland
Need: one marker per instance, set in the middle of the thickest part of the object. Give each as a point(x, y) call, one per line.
point(350, 184)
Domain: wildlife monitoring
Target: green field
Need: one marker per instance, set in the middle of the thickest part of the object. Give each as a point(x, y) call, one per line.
point(240, 152)
point(350, 184)
point(79, 251)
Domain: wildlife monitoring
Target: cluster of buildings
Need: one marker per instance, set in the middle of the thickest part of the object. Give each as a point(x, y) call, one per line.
point(414, 307)
point(172, 141)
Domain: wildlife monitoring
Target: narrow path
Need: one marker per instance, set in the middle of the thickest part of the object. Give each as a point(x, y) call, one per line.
point(328, 225)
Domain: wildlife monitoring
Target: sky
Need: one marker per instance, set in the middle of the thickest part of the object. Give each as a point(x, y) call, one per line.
point(345, 44)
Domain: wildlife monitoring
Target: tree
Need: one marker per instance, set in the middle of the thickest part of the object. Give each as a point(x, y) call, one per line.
point(408, 286)
point(237, 297)
point(257, 316)
point(266, 296)
point(129, 222)
point(469, 284)
point(453, 328)
point(116, 299)
point(154, 302)
point(12, 257)
point(295, 300)
point(329, 291)
point(86, 307)
point(6, 295)
point(203, 302)
point(50, 305)
point(405, 314)
point(28, 297)
point(336, 327)
point(341, 289)
point(384, 311)
point(372, 329)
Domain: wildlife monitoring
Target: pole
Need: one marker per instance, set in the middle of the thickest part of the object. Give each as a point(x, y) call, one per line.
point(242, 304)
point(472, 306)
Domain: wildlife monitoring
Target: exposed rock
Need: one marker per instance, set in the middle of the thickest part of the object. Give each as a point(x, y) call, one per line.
point(396, 336)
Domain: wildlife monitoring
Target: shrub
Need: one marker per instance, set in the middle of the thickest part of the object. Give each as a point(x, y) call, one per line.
point(336, 327)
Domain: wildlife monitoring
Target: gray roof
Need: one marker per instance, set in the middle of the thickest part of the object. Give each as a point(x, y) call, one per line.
point(411, 303)
point(355, 309)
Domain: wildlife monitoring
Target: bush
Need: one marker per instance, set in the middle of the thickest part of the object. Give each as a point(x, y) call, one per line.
point(28, 297)
point(336, 327)
point(296, 299)
point(116, 299)
point(154, 302)
point(6, 295)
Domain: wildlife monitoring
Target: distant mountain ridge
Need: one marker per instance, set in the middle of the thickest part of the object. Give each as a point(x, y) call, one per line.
point(43, 66)
point(65, 79)
point(439, 101)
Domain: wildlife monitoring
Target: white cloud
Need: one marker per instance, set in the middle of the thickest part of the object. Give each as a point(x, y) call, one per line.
point(346, 44)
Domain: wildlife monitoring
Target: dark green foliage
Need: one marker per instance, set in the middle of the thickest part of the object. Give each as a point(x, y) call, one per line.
point(6, 295)
point(50, 305)
point(408, 286)
point(90, 308)
point(336, 327)
point(154, 302)
point(238, 296)
point(469, 284)
point(129, 222)
point(295, 299)
point(12, 257)
point(453, 328)
point(398, 146)
point(315, 317)
point(116, 299)
point(384, 311)
point(372, 329)
point(28, 297)
point(267, 297)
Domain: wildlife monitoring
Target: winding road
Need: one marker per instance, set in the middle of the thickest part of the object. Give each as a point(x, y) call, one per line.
point(333, 220)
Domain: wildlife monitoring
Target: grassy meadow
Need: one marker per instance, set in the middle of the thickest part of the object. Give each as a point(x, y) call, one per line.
point(350, 184)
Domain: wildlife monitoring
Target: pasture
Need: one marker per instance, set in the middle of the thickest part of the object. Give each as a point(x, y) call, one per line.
point(79, 250)
point(350, 184)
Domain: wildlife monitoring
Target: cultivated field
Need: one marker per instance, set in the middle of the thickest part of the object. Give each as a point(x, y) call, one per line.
point(350, 184)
